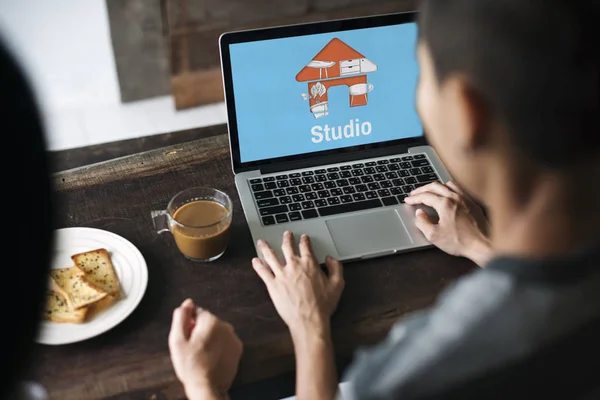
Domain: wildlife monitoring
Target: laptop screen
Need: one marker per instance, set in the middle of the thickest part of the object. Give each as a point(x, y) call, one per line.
point(320, 92)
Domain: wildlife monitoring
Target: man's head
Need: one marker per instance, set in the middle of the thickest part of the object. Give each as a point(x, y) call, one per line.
point(512, 79)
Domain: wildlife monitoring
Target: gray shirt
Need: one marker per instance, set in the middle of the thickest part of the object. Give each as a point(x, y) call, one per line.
point(493, 317)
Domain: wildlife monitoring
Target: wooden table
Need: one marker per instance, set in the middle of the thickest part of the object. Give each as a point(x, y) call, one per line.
point(131, 361)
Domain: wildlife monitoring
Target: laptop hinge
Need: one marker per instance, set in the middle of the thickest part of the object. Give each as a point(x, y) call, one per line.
point(332, 159)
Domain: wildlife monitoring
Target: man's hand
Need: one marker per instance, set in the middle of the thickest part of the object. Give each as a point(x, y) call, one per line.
point(205, 352)
point(461, 228)
point(304, 296)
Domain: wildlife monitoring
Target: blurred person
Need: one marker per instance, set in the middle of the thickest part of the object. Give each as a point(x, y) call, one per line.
point(29, 223)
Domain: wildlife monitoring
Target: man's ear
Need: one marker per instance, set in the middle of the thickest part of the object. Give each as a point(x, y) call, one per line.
point(467, 113)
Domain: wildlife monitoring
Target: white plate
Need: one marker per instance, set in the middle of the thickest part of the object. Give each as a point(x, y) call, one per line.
point(129, 265)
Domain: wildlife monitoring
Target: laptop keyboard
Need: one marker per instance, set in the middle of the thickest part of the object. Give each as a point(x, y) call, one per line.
point(324, 192)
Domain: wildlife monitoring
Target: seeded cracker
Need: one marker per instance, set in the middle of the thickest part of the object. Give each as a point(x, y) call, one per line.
point(70, 283)
point(56, 309)
point(99, 271)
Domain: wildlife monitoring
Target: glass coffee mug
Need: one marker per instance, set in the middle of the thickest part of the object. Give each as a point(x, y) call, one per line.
point(199, 219)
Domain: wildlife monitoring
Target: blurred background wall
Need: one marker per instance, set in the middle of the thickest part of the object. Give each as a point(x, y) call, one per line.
point(107, 70)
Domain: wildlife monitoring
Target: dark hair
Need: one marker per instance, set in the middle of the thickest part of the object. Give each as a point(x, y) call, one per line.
point(27, 217)
point(535, 63)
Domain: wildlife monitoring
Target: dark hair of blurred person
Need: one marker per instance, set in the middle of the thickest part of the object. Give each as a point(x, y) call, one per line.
point(28, 220)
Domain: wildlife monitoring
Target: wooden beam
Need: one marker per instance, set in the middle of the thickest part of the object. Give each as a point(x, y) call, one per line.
point(201, 82)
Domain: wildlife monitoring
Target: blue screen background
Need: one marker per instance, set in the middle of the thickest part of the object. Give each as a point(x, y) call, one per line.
point(274, 120)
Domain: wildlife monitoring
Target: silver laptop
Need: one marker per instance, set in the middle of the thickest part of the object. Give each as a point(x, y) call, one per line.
point(325, 138)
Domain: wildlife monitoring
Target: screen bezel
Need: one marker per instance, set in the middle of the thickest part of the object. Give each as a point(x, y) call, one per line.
point(347, 153)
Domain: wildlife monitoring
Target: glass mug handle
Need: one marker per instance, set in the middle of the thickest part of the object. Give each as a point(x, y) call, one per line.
point(161, 220)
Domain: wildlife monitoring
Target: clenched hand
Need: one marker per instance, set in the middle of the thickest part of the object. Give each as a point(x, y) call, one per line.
point(205, 352)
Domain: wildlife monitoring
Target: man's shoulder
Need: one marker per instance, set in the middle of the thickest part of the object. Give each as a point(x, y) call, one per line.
point(486, 319)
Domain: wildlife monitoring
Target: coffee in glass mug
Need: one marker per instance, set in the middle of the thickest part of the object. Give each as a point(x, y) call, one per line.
point(199, 220)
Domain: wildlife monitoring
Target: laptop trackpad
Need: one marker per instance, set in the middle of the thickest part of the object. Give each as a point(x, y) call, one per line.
point(370, 233)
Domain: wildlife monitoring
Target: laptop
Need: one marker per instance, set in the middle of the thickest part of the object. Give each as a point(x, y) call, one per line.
point(324, 134)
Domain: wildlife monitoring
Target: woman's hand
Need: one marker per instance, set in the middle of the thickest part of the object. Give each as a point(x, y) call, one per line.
point(205, 352)
point(462, 226)
point(304, 296)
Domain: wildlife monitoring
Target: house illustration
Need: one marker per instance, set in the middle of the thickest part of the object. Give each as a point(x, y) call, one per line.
point(336, 64)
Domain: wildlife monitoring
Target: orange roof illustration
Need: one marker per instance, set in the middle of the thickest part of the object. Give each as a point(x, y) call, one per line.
point(334, 60)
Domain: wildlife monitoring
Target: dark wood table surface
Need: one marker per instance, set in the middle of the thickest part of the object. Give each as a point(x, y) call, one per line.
point(131, 361)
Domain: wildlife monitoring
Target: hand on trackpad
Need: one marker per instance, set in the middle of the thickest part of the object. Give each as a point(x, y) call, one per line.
point(431, 213)
point(370, 233)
